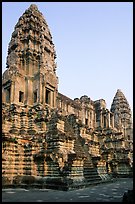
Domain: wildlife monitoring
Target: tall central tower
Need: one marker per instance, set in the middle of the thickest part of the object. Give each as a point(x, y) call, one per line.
point(30, 77)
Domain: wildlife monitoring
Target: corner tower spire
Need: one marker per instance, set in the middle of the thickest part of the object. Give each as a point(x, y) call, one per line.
point(121, 109)
point(31, 62)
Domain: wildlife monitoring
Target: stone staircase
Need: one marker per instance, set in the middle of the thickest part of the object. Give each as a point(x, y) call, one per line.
point(89, 171)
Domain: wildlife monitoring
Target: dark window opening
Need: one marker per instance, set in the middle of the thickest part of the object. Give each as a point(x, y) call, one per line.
point(90, 115)
point(107, 167)
point(23, 63)
point(105, 121)
point(35, 96)
point(86, 121)
point(8, 95)
point(21, 96)
point(128, 137)
point(110, 120)
point(48, 93)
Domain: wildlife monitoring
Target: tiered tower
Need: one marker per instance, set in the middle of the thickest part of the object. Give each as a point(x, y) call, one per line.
point(122, 114)
point(31, 74)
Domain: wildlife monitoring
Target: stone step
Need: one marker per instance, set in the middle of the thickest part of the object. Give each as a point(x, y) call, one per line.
point(86, 174)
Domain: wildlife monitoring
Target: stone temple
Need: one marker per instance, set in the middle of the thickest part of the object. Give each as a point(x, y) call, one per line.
point(49, 139)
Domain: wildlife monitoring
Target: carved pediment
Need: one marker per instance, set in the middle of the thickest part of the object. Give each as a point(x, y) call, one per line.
point(51, 79)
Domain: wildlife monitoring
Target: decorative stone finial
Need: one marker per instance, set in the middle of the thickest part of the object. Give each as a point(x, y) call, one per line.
point(33, 7)
point(119, 92)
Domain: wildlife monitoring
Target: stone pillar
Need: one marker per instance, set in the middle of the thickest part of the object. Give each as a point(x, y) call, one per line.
point(26, 92)
point(95, 125)
point(105, 120)
point(29, 92)
point(52, 99)
point(83, 114)
point(40, 90)
point(41, 87)
point(91, 119)
point(112, 121)
point(31, 65)
point(12, 92)
point(108, 119)
point(43, 95)
point(101, 119)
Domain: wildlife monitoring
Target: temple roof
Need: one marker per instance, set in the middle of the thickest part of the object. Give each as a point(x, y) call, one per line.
point(31, 37)
point(121, 105)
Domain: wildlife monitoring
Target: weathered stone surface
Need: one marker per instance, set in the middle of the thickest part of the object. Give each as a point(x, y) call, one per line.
point(48, 138)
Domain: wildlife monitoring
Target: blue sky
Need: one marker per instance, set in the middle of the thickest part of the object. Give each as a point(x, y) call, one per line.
point(93, 42)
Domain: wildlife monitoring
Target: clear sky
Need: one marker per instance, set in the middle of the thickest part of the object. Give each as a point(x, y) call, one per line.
point(93, 42)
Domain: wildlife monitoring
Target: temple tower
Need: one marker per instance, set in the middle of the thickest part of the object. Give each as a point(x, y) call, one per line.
point(30, 77)
point(122, 114)
point(123, 122)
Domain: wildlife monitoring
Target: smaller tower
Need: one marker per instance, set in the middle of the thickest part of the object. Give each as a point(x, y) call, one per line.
point(122, 114)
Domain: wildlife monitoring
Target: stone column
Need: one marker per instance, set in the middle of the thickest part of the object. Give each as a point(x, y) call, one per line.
point(95, 125)
point(29, 92)
point(40, 90)
point(12, 92)
point(43, 95)
point(26, 92)
point(108, 119)
point(112, 121)
point(91, 119)
point(101, 119)
point(52, 99)
point(30, 64)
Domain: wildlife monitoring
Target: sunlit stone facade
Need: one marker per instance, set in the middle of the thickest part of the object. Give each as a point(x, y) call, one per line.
point(49, 139)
